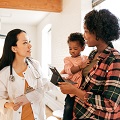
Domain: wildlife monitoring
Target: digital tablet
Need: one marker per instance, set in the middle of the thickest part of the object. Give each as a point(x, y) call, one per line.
point(56, 77)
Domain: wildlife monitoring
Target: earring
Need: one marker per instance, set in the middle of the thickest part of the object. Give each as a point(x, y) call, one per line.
point(97, 38)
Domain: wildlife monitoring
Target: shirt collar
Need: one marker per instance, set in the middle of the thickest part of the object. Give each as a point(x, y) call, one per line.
point(102, 55)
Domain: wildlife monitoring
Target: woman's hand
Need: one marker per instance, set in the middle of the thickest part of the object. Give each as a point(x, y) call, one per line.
point(67, 88)
point(84, 64)
point(13, 106)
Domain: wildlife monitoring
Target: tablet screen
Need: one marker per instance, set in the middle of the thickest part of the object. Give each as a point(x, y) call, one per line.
point(56, 77)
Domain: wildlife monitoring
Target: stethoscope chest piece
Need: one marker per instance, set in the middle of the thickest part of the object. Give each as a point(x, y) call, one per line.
point(12, 78)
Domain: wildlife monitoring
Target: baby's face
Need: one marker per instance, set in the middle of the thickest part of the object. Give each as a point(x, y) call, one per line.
point(75, 48)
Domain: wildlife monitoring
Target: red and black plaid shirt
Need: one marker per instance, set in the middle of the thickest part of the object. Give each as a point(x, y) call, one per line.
point(103, 89)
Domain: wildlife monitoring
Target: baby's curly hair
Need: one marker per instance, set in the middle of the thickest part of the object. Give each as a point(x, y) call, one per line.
point(76, 37)
point(103, 24)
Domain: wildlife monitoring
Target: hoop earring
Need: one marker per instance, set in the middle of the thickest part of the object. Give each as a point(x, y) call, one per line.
point(97, 38)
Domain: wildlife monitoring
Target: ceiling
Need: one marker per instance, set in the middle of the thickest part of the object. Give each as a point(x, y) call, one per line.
point(27, 17)
point(28, 12)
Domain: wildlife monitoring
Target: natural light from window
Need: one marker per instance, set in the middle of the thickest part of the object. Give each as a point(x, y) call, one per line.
point(1, 45)
point(46, 49)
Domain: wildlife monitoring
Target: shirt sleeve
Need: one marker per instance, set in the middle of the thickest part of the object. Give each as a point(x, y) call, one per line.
point(110, 97)
point(67, 65)
point(3, 97)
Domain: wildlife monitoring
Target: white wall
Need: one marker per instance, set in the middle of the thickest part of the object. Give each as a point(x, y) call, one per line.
point(64, 23)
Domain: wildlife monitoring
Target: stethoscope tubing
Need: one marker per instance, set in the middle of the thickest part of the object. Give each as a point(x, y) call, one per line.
point(12, 78)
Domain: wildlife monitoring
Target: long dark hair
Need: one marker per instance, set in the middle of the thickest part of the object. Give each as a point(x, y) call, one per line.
point(8, 55)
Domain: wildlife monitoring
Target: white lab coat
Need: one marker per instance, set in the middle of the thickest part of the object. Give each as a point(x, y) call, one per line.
point(9, 90)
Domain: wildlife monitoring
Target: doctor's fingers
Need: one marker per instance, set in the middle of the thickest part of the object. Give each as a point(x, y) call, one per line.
point(17, 106)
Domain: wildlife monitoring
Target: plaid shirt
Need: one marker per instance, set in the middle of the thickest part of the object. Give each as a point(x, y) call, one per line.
point(103, 89)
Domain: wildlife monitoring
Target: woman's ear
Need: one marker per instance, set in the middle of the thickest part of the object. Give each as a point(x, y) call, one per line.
point(13, 48)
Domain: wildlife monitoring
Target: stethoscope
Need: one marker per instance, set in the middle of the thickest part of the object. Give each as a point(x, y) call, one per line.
point(11, 77)
point(34, 71)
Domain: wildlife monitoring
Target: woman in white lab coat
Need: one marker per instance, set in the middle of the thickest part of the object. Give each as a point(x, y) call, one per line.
point(22, 86)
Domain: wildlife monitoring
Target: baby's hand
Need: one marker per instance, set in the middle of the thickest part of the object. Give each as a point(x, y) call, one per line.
point(85, 63)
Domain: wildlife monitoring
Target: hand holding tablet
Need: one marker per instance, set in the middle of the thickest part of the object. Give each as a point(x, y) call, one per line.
point(56, 77)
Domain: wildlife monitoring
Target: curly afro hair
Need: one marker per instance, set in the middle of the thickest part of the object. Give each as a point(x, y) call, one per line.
point(76, 37)
point(103, 24)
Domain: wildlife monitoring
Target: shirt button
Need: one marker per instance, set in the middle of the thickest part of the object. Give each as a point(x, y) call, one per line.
point(19, 112)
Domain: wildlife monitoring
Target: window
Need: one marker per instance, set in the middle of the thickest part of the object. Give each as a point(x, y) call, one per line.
point(2, 39)
point(46, 49)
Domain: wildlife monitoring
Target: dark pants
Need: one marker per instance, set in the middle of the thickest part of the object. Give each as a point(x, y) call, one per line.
point(68, 108)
